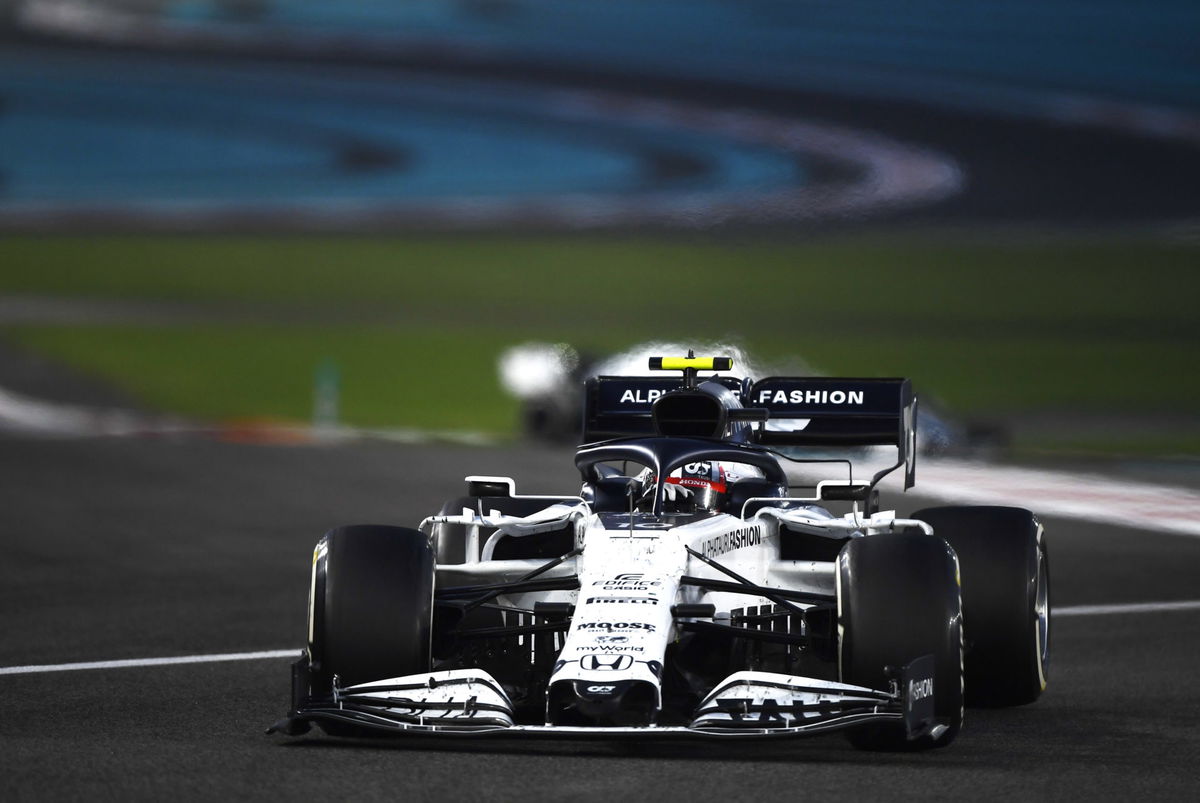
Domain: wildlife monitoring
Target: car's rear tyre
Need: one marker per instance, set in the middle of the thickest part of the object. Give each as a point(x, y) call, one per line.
point(371, 605)
point(898, 600)
point(1006, 599)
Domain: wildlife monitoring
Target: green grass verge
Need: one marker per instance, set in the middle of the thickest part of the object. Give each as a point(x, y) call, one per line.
point(990, 327)
point(238, 372)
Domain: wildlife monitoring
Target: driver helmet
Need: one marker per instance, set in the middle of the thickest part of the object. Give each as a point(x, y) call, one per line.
point(706, 482)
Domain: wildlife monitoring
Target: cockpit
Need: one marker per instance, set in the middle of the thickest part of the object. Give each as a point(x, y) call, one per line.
point(677, 476)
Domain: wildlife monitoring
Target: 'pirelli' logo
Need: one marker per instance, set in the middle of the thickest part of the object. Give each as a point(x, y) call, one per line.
point(730, 541)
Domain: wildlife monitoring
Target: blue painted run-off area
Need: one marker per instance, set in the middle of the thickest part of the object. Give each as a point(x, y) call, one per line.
point(77, 131)
point(94, 128)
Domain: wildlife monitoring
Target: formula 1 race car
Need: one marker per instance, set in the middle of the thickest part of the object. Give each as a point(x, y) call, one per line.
point(685, 591)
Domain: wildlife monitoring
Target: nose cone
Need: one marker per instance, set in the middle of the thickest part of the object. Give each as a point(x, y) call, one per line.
point(620, 703)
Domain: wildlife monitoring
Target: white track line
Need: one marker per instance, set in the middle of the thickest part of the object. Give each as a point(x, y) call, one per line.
point(1133, 607)
point(182, 659)
point(1073, 610)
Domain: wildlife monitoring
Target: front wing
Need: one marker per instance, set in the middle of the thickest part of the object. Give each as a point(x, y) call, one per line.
point(469, 702)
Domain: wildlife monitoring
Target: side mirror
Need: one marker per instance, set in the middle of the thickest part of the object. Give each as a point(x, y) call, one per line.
point(843, 491)
point(491, 486)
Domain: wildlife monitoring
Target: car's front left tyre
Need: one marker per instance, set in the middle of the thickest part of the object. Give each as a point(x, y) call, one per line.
point(898, 600)
point(371, 605)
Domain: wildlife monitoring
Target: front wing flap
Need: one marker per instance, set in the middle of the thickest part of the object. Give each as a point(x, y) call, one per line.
point(762, 700)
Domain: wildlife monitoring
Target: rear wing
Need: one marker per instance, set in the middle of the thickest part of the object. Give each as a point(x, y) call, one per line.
point(825, 411)
point(802, 411)
point(622, 406)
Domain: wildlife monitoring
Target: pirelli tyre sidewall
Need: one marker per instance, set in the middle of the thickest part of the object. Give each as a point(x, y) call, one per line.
point(898, 599)
point(1006, 599)
point(371, 606)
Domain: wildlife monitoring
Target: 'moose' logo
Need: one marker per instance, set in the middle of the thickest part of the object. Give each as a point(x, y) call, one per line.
point(610, 663)
point(610, 626)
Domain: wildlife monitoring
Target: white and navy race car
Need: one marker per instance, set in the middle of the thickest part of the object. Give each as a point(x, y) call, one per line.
point(692, 588)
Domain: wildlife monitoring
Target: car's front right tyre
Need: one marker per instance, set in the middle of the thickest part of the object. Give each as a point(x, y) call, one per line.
point(1006, 599)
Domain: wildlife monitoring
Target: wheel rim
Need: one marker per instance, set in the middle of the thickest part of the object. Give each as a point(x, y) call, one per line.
point(1042, 611)
point(1043, 608)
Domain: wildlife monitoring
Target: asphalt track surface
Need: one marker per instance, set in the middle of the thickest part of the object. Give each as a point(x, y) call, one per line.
point(128, 548)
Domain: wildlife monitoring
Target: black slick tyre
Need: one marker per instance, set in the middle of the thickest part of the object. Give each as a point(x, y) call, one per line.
point(1006, 599)
point(371, 605)
point(898, 600)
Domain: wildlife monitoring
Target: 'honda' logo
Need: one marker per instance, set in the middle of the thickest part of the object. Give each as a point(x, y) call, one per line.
point(611, 663)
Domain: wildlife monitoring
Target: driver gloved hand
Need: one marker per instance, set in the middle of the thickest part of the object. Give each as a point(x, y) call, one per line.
point(676, 493)
point(676, 498)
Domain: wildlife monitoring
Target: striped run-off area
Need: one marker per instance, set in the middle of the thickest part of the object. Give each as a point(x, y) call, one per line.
point(1051, 493)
